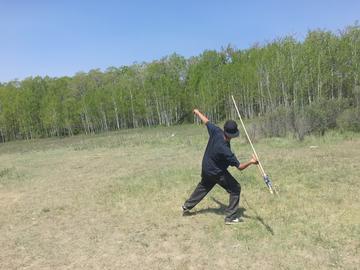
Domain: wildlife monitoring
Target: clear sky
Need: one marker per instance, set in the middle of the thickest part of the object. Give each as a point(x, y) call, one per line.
point(62, 37)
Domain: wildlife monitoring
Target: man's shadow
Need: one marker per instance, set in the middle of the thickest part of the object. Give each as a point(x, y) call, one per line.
point(220, 210)
point(222, 207)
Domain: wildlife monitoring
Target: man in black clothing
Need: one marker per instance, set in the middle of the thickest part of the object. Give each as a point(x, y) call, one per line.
point(217, 158)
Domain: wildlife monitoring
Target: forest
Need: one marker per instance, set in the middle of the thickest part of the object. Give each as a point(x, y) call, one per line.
point(286, 86)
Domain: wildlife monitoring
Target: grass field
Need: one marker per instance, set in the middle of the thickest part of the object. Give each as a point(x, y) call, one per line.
point(113, 201)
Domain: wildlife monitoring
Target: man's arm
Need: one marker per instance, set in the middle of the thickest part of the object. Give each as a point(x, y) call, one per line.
point(202, 117)
point(243, 166)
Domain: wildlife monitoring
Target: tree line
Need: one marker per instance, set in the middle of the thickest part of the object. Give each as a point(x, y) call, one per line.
point(285, 73)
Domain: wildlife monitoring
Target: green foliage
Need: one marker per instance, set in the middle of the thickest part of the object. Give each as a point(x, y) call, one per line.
point(349, 120)
point(322, 115)
point(315, 118)
point(276, 123)
point(294, 87)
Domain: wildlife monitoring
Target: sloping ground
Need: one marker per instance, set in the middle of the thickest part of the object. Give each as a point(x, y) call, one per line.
point(113, 202)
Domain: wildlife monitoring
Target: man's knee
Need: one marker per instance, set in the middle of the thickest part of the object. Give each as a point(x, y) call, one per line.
point(237, 189)
point(206, 184)
point(233, 185)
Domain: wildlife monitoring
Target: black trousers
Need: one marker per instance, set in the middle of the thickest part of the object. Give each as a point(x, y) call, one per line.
point(227, 182)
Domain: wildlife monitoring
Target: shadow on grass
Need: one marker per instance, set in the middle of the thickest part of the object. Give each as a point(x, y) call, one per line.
point(222, 207)
point(219, 210)
point(258, 217)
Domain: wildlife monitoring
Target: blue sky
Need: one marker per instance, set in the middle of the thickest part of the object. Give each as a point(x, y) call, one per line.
point(59, 38)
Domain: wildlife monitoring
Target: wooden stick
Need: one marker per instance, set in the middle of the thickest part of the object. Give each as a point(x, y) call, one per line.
point(261, 168)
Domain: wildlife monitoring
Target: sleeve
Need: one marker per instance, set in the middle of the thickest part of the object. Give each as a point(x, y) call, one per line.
point(231, 158)
point(211, 128)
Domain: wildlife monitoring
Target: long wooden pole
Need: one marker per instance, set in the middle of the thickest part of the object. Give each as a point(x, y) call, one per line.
point(261, 168)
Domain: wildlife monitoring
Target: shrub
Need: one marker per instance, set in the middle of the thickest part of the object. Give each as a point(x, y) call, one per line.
point(322, 115)
point(301, 121)
point(275, 124)
point(349, 120)
point(301, 125)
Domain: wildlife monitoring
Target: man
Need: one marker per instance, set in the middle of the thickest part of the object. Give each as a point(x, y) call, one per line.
point(217, 158)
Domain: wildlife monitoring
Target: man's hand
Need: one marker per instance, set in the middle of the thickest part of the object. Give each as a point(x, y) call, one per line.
point(202, 117)
point(254, 160)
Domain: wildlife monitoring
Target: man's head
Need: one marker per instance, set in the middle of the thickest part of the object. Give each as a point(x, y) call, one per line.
point(231, 129)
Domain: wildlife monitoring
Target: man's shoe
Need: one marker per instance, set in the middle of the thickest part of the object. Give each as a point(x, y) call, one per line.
point(185, 211)
point(233, 221)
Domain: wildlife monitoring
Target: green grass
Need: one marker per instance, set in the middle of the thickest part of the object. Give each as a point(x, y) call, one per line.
point(112, 201)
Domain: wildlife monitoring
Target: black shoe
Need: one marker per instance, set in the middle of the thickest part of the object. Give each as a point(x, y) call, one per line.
point(233, 221)
point(185, 211)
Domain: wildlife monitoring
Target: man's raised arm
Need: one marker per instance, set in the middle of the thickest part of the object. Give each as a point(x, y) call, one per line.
point(202, 117)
